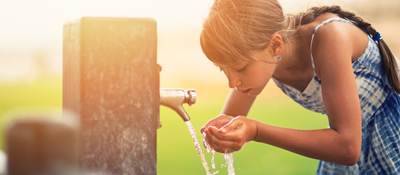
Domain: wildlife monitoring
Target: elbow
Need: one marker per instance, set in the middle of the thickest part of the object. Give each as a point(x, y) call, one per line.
point(350, 147)
point(351, 154)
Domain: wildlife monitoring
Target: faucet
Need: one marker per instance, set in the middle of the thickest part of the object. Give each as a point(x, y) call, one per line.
point(175, 98)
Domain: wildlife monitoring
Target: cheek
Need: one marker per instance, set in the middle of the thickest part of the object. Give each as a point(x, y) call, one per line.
point(259, 78)
point(260, 82)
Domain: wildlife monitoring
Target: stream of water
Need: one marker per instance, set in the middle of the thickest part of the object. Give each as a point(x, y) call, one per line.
point(228, 157)
point(198, 148)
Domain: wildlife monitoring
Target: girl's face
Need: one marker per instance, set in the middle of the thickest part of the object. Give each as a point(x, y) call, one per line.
point(252, 77)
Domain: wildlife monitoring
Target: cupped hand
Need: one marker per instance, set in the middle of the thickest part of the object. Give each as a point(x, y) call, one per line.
point(217, 122)
point(231, 136)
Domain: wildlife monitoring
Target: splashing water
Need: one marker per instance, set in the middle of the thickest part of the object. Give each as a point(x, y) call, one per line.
point(198, 148)
point(212, 151)
point(227, 156)
point(229, 161)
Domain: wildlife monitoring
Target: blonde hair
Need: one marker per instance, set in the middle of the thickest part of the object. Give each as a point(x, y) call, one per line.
point(234, 28)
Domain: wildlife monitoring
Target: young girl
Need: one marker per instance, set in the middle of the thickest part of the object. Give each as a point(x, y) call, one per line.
point(326, 59)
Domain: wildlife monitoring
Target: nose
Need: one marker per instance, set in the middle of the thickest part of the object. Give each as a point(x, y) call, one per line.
point(234, 80)
point(234, 83)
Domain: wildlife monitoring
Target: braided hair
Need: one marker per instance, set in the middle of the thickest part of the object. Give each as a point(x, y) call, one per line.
point(388, 58)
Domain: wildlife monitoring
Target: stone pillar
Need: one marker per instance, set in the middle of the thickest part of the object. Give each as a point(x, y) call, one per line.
point(111, 80)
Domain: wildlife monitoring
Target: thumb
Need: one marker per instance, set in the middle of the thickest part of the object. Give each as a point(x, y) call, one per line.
point(218, 122)
point(233, 124)
point(222, 122)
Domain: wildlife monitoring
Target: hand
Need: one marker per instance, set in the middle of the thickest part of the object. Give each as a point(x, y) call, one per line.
point(217, 122)
point(232, 136)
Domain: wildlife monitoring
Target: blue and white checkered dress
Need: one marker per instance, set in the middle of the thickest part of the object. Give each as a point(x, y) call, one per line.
point(380, 106)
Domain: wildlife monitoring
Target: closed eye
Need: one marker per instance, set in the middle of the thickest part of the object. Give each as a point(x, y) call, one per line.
point(242, 69)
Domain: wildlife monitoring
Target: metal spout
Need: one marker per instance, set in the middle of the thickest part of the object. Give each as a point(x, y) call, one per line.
point(175, 98)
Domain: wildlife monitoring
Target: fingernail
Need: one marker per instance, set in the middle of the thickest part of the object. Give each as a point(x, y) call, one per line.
point(213, 127)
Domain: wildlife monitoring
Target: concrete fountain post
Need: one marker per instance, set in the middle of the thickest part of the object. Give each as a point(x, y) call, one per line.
point(111, 81)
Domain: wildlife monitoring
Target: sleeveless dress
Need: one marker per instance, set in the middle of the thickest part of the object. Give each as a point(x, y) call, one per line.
point(380, 105)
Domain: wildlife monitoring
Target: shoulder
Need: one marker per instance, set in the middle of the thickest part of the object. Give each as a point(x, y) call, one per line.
point(333, 42)
point(332, 38)
point(332, 51)
point(337, 37)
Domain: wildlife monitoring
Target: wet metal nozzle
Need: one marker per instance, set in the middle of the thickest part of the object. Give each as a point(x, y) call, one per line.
point(175, 98)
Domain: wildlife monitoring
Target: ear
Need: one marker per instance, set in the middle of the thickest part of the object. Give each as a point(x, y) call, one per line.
point(276, 44)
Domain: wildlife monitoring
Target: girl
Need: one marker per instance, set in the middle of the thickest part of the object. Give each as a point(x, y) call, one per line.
point(326, 59)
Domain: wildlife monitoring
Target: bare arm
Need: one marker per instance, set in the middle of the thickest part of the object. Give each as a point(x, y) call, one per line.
point(238, 103)
point(323, 144)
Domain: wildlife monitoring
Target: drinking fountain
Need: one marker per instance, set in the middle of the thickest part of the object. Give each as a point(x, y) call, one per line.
point(175, 98)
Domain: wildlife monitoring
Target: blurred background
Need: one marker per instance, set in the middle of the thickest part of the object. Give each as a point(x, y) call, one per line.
point(31, 72)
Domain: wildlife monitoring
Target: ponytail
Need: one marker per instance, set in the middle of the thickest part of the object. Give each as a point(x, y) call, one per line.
point(389, 61)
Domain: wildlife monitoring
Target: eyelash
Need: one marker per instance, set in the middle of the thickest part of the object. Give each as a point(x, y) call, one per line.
point(242, 69)
point(238, 70)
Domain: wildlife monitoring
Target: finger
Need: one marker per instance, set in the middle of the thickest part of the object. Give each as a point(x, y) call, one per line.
point(209, 141)
point(218, 133)
point(208, 124)
point(222, 119)
point(206, 144)
point(221, 145)
point(219, 121)
point(202, 130)
point(232, 125)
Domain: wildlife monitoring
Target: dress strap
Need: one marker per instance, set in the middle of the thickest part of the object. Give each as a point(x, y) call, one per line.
point(327, 21)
